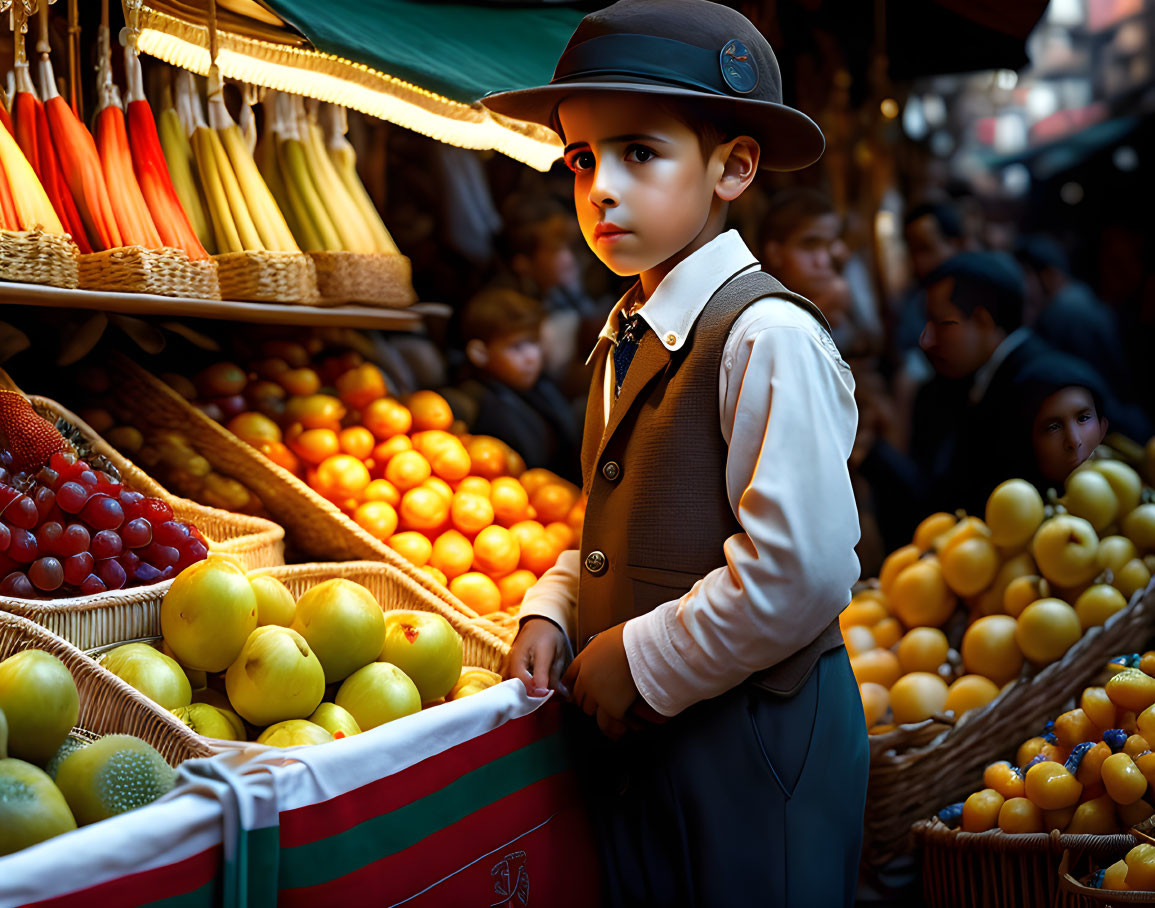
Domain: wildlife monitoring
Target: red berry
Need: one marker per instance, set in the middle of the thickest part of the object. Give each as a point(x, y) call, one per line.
point(102, 512)
point(111, 573)
point(129, 500)
point(108, 485)
point(77, 568)
point(91, 585)
point(45, 500)
point(46, 574)
point(106, 544)
point(5, 537)
point(8, 494)
point(76, 539)
point(71, 497)
point(154, 511)
point(145, 574)
point(87, 478)
point(161, 555)
point(192, 553)
point(171, 532)
point(48, 477)
point(50, 536)
point(61, 461)
point(23, 546)
point(17, 586)
point(129, 560)
point(136, 533)
point(22, 513)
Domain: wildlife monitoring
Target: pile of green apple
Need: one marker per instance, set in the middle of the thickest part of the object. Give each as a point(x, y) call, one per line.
point(240, 658)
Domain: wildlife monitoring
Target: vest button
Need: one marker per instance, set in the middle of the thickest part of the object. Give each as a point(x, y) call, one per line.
point(611, 470)
point(596, 562)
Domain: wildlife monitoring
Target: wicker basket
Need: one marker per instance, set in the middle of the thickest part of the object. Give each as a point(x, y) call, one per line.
point(107, 705)
point(374, 279)
point(36, 257)
point(163, 272)
point(996, 870)
point(267, 277)
point(1074, 894)
point(907, 784)
point(315, 526)
point(394, 590)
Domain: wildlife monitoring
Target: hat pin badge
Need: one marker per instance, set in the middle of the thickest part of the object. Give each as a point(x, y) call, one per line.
point(739, 70)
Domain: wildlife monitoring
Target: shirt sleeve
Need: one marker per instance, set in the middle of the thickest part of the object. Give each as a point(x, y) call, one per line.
point(554, 596)
point(787, 411)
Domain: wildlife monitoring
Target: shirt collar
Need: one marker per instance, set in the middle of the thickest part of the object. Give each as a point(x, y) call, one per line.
point(678, 300)
point(986, 372)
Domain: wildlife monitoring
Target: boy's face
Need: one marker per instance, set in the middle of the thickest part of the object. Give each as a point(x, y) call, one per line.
point(641, 187)
point(926, 245)
point(515, 359)
point(806, 261)
point(1066, 430)
point(956, 344)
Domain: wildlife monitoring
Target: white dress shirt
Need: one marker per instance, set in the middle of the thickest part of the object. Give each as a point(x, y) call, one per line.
point(786, 409)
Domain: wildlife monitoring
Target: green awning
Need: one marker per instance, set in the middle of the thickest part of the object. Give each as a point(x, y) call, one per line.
point(457, 50)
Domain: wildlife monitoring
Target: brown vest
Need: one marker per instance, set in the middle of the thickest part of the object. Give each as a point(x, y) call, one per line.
point(658, 513)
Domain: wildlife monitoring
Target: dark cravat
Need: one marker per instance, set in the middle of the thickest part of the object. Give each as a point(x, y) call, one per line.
point(631, 330)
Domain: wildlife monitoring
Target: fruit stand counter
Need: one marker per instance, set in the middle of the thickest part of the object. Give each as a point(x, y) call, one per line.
point(471, 802)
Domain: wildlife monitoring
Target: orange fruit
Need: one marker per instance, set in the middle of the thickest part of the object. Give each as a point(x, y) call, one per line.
point(1046, 629)
point(576, 516)
point(412, 546)
point(295, 355)
point(440, 486)
point(536, 478)
point(858, 639)
point(341, 477)
point(316, 411)
point(553, 500)
point(931, 528)
point(452, 554)
point(470, 513)
point(495, 551)
point(513, 587)
point(382, 490)
point(386, 451)
point(474, 485)
point(450, 461)
point(989, 648)
point(386, 418)
point(540, 554)
point(920, 596)
point(334, 366)
point(878, 665)
point(280, 454)
point(437, 575)
point(360, 386)
point(430, 441)
point(477, 591)
point(923, 649)
point(896, 562)
point(525, 530)
point(357, 441)
point(510, 500)
point(313, 445)
point(561, 534)
point(430, 410)
point(255, 429)
point(887, 632)
point(423, 509)
point(407, 470)
point(487, 455)
point(514, 464)
point(862, 611)
point(267, 368)
point(377, 518)
point(299, 382)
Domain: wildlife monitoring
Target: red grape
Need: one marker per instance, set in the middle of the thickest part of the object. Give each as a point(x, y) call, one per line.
point(106, 544)
point(78, 567)
point(22, 513)
point(48, 477)
point(61, 461)
point(169, 572)
point(23, 546)
point(91, 585)
point(111, 573)
point(50, 536)
point(76, 539)
point(46, 574)
point(154, 511)
point(45, 500)
point(129, 560)
point(72, 497)
point(170, 533)
point(136, 533)
point(87, 478)
point(145, 573)
point(192, 553)
point(5, 537)
point(130, 500)
point(161, 555)
point(18, 586)
point(102, 512)
point(108, 485)
point(197, 534)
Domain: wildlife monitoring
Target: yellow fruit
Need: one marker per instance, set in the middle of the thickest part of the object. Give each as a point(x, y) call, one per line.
point(989, 648)
point(430, 411)
point(860, 611)
point(1097, 604)
point(917, 696)
point(514, 586)
point(981, 811)
point(32, 808)
point(969, 566)
point(1099, 708)
point(1020, 815)
point(407, 470)
point(1014, 512)
point(208, 614)
point(452, 554)
point(378, 693)
point(1089, 495)
point(1125, 483)
point(277, 676)
point(377, 518)
point(896, 562)
point(413, 547)
point(495, 551)
point(1139, 527)
point(858, 640)
point(343, 624)
point(931, 528)
point(1122, 779)
point(1047, 629)
point(470, 513)
point(1115, 877)
point(1065, 549)
point(970, 692)
point(1141, 868)
point(423, 509)
point(295, 733)
point(1131, 689)
point(1114, 552)
point(426, 647)
point(1051, 786)
point(38, 697)
point(477, 591)
point(1132, 577)
point(1021, 592)
point(877, 665)
point(967, 528)
point(875, 702)
point(887, 632)
point(509, 499)
point(922, 649)
point(1094, 817)
point(441, 487)
point(275, 604)
point(920, 596)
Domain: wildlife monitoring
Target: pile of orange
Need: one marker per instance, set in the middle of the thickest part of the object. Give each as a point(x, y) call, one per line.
point(461, 507)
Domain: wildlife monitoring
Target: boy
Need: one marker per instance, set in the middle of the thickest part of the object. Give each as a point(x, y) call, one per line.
point(718, 547)
point(514, 401)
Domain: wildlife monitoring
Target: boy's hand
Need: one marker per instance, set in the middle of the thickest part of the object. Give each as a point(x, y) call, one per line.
point(538, 657)
point(601, 682)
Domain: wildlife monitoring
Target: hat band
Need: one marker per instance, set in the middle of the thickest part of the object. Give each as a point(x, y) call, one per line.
point(644, 56)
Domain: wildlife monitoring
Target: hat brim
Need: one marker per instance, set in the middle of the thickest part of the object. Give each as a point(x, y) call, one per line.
point(789, 139)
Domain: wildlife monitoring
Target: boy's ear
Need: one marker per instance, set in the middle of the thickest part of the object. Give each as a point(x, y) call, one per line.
point(1103, 426)
point(477, 353)
point(739, 158)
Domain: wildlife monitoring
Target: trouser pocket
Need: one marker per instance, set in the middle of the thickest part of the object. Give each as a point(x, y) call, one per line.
point(783, 729)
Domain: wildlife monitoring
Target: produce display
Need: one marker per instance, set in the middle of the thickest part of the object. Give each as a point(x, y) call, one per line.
point(71, 529)
point(957, 614)
point(240, 659)
point(1133, 873)
point(51, 782)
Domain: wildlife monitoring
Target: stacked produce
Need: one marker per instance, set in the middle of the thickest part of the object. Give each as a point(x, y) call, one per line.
point(68, 529)
point(1133, 873)
point(1020, 587)
point(51, 782)
point(241, 658)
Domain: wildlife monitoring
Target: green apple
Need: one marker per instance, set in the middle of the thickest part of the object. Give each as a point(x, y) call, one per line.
point(40, 701)
point(343, 624)
point(335, 720)
point(378, 693)
point(293, 732)
point(275, 604)
point(207, 721)
point(276, 677)
point(1066, 549)
point(427, 648)
point(151, 672)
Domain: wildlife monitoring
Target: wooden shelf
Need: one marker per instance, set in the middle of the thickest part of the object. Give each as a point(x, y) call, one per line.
point(350, 316)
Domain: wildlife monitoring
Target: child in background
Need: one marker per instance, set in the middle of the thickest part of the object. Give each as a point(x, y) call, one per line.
point(513, 400)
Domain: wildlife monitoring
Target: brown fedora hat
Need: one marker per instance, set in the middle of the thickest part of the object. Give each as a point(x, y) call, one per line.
point(691, 50)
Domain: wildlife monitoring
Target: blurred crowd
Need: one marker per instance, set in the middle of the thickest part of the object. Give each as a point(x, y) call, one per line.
point(990, 356)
